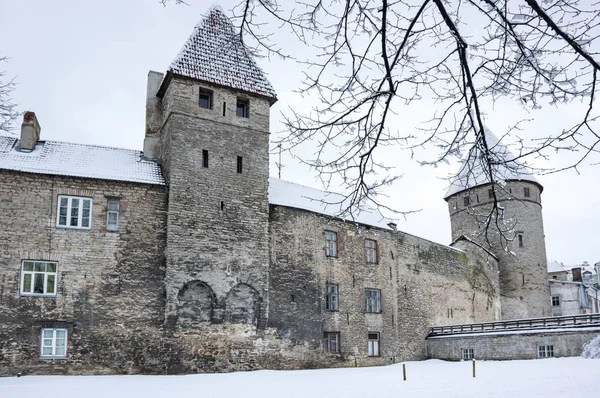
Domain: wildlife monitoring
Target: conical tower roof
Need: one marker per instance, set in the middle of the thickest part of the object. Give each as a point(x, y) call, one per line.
point(473, 171)
point(215, 54)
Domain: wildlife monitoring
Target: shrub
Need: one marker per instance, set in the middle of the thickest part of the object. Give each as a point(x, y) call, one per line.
point(591, 349)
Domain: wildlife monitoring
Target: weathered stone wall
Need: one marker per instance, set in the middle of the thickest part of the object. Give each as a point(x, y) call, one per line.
point(422, 284)
point(110, 290)
point(507, 346)
point(523, 273)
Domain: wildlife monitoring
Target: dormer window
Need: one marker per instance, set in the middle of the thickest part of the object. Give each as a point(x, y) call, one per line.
point(205, 99)
point(241, 109)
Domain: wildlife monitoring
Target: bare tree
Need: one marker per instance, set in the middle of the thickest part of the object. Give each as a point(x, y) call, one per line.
point(374, 57)
point(8, 110)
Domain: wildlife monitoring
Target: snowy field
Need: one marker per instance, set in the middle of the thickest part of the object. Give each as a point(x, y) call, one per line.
point(554, 377)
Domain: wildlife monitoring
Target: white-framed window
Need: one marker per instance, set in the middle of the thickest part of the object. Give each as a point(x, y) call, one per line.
point(205, 98)
point(372, 300)
point(545, 351)
point(112, 214)
point(38, 278)
point(467, 353)
point(332, 297)
point(371, 251)
point(53, 344)
point(331, 244)
point(556, 301)
point(373, 344)
point(331, 342)
point(74, 212)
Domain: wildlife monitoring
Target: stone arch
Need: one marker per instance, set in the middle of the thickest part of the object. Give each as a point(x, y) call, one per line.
point(243, 304)
point(196, 302)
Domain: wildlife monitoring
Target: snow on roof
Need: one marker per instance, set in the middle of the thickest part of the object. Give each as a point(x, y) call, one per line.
point(78, 160)
point(215, 54)
point(472, 172)
point(555, 266)
point(289, 194)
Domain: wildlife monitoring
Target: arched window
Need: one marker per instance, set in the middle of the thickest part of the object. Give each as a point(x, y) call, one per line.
point(196, 302)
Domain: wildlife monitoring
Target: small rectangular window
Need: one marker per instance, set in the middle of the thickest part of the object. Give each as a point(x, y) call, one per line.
point(555, 301)
point(520, 240)
point(526, 192)
point(74, 212)
point(373, 345)
point(112, 215)
point(466, 201)
point(38, 278)
point(331, 297)
point(239, 165)
point(467, 353)
point(372, 300)
point(331, 244)
point(331, 342)
point(241, 108)
point(53, 343)
point(205, 99)
point(490, 194)
point(204, 158)
point(545, 351)
point(371, 251)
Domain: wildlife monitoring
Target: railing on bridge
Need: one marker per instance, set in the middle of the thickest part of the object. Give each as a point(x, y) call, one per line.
point(520, 324)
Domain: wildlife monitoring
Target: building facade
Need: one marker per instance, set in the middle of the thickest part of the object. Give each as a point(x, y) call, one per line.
point(187, 257)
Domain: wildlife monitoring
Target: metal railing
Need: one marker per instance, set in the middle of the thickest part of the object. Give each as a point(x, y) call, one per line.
point(572, 321)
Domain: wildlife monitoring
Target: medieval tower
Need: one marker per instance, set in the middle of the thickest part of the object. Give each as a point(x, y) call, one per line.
point(208, 127)
point(512, 229)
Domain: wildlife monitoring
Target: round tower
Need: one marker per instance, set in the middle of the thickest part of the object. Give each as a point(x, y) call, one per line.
point(506, 218)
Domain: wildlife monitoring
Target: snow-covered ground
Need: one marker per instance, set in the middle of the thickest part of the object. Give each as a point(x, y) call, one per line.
point(553, 377)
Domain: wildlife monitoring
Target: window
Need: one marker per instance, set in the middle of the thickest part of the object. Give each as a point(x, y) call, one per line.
point(466, 201)
point(330, 244)
point(331, 342)
point(467, 353)
point(331, 297)
point(371, 251)
point(520, 240)
point(241, 108)
point(204, 158)
point(205, 99)
point(526, 192)
point(372, 300)
point(556, 301)
point(545, 351)
point(490, 194)
point(373, 344)
point(38, 278)
point(74, 212)
point(112, 215)
point(239, 165)
point(53, 343)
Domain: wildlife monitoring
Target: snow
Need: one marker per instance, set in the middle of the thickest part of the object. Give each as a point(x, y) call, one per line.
point(78, 160)
point(592, 349)
point(578, 328)
point(549, 378)
point(214, 53)
point(471, 173)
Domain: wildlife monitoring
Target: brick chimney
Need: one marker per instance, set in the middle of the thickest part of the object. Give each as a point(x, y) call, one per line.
point(577, 274)
point(30, 132)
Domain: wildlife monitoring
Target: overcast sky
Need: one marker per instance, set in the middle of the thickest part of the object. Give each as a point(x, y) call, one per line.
point(81, 66)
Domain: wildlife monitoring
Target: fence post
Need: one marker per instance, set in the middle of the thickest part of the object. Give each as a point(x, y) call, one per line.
point(404, 371)
point(473, 367)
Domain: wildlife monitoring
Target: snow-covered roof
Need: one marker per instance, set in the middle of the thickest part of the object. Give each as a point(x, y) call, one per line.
point(555, 266)
point(79, 160)
point(473, 171)
point(214, 53)
point(289, 194)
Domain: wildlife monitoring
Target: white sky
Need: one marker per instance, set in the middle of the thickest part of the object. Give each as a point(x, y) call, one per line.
point(82, 67)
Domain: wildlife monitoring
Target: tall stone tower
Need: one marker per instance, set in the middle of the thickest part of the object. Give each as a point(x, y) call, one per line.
point(515, 233)
point(207, 123)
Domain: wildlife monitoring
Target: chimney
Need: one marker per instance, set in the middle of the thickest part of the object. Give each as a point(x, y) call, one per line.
point(30, 132)
point(577, 274)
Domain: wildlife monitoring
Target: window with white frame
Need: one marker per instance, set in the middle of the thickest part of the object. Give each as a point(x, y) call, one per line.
point(331, 244)
point(112, 214)
point(372, 300)
point(74, 212)
point(38, 278)
point(331, 342)
point(371, 251)
point(53, 344)
point(373, 344)
point(545, 351)
point(332, 297)
point(556, 301)
point(467, 353)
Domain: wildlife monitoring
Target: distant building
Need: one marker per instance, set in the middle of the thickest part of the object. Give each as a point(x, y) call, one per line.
point(573, 288)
